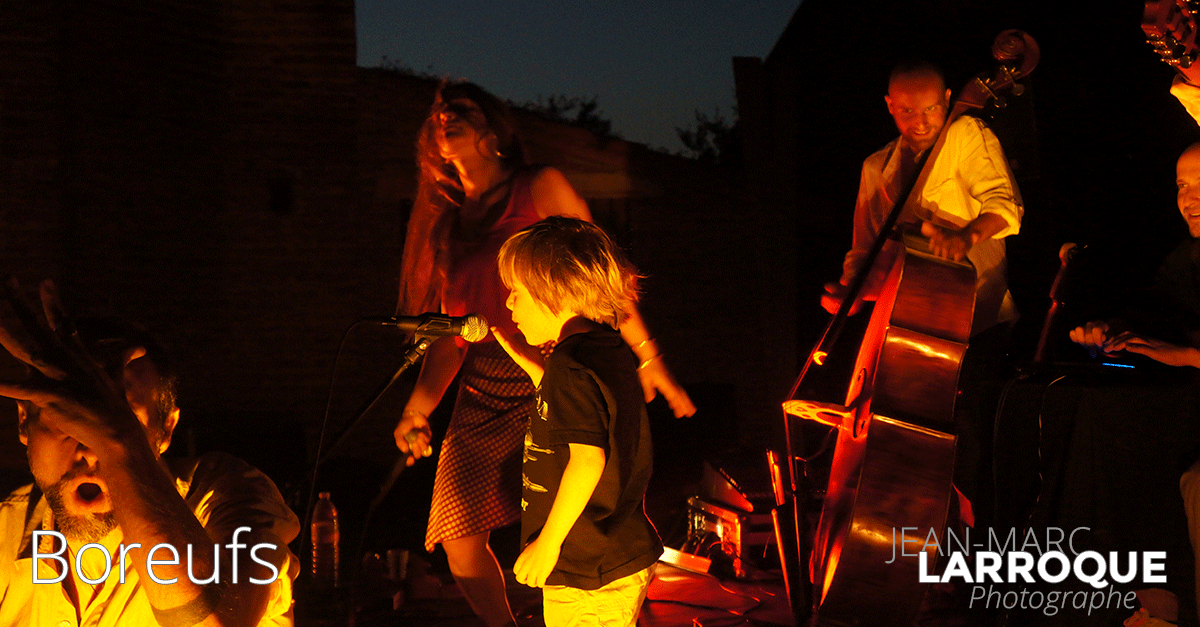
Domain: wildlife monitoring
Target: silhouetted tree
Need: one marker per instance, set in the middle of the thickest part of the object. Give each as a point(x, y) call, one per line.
point(581, 112)
point(712, 140)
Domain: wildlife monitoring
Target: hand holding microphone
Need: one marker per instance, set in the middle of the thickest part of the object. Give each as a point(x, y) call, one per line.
point(413, 434)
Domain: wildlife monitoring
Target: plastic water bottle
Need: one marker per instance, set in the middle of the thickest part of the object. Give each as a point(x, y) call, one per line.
point(325, 537)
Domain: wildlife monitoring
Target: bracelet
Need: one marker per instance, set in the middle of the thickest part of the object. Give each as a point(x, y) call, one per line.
point(654, 352)
point(647, 362)
point(413, 411)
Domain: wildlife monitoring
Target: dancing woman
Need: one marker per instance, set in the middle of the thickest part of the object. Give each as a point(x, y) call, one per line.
point(475, 190)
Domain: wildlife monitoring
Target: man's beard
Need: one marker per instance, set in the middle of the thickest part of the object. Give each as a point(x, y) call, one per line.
point(89, 527)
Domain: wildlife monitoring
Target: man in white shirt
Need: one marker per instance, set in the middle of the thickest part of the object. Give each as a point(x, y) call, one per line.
point(969, 202)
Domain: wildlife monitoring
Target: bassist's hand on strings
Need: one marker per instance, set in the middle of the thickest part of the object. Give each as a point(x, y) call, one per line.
point(835, 293)
point(954, 244)
point(947, 243)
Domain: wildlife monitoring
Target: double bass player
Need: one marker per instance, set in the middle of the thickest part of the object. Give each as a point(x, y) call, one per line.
point(968, 204)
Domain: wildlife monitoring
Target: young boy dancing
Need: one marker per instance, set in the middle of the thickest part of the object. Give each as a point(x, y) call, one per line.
point(587, 462)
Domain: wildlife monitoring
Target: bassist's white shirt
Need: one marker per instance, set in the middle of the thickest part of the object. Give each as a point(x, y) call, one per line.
point(970, 177)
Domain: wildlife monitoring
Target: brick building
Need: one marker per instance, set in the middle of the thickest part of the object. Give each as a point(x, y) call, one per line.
point(226, 175)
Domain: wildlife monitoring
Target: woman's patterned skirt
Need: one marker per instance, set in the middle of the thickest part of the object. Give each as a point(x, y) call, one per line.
point(478, 482)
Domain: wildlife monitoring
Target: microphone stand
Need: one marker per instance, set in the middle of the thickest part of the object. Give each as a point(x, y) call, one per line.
point(420, 344)
point(414, 353)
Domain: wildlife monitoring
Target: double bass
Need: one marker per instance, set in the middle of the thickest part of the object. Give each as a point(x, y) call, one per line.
point(893, 464)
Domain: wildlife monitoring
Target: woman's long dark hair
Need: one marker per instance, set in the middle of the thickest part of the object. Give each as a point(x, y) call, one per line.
point(440, 192)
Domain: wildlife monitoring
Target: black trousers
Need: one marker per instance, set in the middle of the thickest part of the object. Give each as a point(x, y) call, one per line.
point(985, 371)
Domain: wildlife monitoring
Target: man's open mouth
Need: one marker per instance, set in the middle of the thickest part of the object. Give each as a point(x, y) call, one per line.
point(88, 492)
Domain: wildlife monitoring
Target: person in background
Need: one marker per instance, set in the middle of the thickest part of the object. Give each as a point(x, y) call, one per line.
point(1173, 305)
point(475, 191)
point(96, 414)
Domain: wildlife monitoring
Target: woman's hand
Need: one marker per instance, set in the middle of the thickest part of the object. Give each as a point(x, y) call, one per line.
point(413, 436)
point(442, 362)
point(655, 376)
point(529, 358)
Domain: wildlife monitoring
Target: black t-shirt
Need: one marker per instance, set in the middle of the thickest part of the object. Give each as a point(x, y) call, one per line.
point(590, 395)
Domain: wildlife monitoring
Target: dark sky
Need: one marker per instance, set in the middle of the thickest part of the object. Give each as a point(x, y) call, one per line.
point(649, 64)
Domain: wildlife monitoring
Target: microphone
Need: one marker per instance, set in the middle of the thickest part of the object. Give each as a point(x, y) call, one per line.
point(471, 328)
